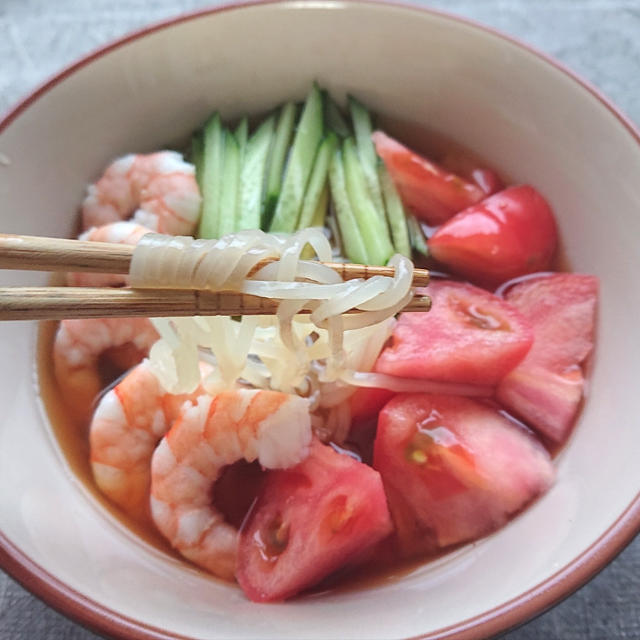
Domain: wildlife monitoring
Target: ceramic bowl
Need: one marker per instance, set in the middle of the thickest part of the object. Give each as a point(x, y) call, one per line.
point(523, 113)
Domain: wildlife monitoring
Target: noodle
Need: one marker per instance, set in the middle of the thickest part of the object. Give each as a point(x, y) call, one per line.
point(322, 356)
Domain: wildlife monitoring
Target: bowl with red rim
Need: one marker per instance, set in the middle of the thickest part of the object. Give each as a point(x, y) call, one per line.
point(528, 117)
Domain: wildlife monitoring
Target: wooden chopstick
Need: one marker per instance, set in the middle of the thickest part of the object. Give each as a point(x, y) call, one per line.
point(57, 303)
point(33, 253)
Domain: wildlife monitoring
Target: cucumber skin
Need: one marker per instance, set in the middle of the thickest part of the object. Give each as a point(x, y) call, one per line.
point(230, 185)
point(276, 161)
point(374, 230)
point(317, 180)
point(352, 240)
point(396, 216)
point(300, 164)
point(213, 159)
point(253, 175)
point(367, 152)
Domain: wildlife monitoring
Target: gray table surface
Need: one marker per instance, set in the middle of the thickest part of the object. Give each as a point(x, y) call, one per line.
point(600, 39)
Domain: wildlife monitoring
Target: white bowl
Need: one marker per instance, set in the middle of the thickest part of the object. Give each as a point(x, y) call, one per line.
point(523, 113)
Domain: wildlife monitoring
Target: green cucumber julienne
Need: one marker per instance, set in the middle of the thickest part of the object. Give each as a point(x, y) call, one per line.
point(197, 156)
point(303, 152)
point(252, 176)
point(230, 185)
point(416, 235)
point(211, 177)
point(334, 119)
point(367, 152)
point(277, 156)
point(374, 229)
point(317, 180)
point(320, 214)
point(352, 240)
point(396, 216)
point(242, 133)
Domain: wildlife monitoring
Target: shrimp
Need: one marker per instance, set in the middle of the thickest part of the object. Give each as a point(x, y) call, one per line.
point(128, 232)
point(126, 426)
point(270, 426)
point(159, 190)
point(77, 351)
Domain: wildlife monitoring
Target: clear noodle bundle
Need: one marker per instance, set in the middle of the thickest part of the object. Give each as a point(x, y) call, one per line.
point(323, 355)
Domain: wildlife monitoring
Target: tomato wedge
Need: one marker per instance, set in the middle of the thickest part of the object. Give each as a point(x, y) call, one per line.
point(454, 469)
point(308, 521)
point(431, 192)
point(545, 389)
point(509, 234)
point(470, 336)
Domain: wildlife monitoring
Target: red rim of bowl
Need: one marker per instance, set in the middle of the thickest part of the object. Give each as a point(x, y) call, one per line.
point(510, 614)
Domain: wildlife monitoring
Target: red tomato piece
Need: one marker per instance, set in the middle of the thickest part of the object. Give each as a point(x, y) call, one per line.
point(545, 389)
point(509, 234)
point(470, 336)
point(454, 469)
point(431, 192)
point(308, 521)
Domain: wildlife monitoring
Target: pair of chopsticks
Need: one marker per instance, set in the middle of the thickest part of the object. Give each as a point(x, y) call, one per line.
point(33, 253)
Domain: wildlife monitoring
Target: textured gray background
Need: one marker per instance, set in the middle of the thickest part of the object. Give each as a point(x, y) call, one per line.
point(600, 39)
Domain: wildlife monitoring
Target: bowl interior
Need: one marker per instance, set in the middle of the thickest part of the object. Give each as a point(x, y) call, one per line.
point(526, 117)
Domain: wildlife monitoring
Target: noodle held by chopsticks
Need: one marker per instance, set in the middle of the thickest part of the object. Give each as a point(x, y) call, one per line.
point(324, 355)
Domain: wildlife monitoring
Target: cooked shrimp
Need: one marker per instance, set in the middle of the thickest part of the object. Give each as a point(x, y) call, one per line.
point(125, 429)
point(270, 426)
point(122, 232)
point(79, 346)
point(159, 190)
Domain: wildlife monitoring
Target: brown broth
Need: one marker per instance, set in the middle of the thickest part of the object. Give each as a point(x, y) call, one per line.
point(74, 441)
point(73, 437)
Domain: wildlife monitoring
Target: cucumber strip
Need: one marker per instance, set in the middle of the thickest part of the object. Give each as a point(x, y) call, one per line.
point(367, 152)
point(416, 235)
point(320, 214)
point(279, 148)
point(318, 220)
point(213, 159)
point(396, 216)
point(317, 180)
point(252, 176)
point(374, 230)
point(242, 133)
point(230, 188)
point(335, 121)
point(352, 240)
point(336, 238)
point(303, 152)
point(197, 156)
